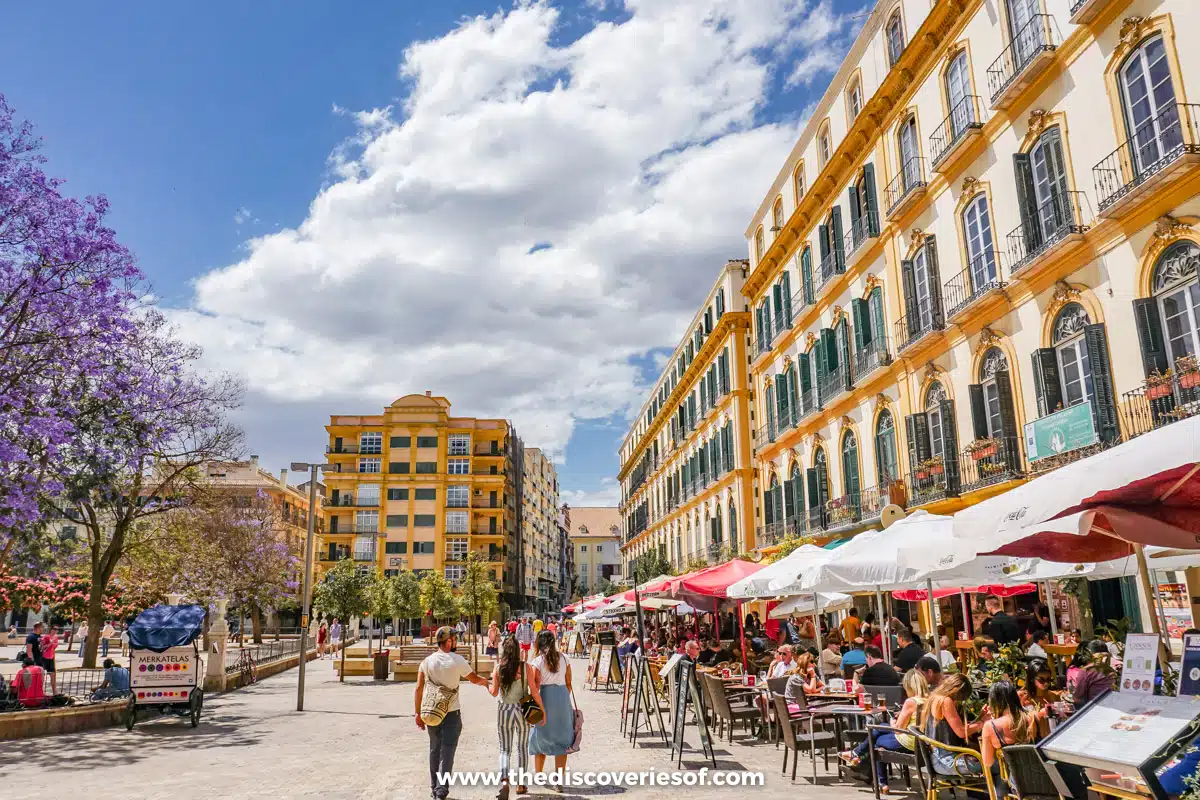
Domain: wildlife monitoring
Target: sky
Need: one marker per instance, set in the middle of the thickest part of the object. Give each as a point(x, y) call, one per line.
point(518, 206)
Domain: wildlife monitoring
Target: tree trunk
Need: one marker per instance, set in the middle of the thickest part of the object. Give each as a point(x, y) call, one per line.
point(256, 622)
point(342, 677)
point(95, 618)
point(370, 638)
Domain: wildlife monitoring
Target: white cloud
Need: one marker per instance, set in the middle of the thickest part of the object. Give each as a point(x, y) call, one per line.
point(633, 150)
point(609, 494)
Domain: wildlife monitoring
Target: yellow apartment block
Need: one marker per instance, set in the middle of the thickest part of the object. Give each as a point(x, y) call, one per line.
point(416, 488)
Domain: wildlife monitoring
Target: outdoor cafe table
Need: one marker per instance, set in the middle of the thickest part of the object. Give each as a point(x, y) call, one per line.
point(858, 717)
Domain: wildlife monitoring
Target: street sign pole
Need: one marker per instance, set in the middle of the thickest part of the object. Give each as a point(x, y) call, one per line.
point(306, 589)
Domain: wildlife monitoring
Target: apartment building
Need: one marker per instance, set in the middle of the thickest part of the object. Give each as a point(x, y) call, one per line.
point(539, 521)
point(979, 261)
point(566, 559)
point(595, 533)
point(686, 472)
point(416, 488)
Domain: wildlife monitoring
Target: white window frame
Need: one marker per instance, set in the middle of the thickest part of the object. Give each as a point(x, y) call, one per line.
point(370, 442)
point(453, 573)
point(373, 466)
point(366, 522)
point(1072, 351)
point(458, 466)
point(458, 496)
point(457, 549)
point(924, 289)
point(826, 146)
point(981, 244)
point(458, 522)
point(856, 100)
point(368, 494)
point(459, 444)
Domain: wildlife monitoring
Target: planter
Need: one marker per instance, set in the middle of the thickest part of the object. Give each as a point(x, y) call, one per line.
point(1189, 380)
point(938, 470)
point(922, 475)
point(1157, 391)
point(984, 452)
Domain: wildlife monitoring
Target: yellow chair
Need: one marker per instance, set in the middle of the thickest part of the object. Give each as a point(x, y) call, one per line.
point(961, 780)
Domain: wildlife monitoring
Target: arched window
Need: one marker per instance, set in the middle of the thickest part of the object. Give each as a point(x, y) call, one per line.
point(818, 489)
point(798, 182)
point(850, 478)
point(958, 95)
point(824, 143)
point(789, 494)
point(937, 425)
point(734, 538)
point(854, 99)
point(1050, 187)
point(1025, 30)
point(910, 167)
point(887, 464)
point(993, 392)
point(1177, 297)
point(895, 38)
point(796, 481)
point(981, 251)
point(718, 533)
point(777, 217)
point(1148, 97)
point(1071, 352)
point(758, 245)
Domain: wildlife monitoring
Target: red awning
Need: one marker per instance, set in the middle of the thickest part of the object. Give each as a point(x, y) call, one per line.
point(712, 581)
point(921, 595)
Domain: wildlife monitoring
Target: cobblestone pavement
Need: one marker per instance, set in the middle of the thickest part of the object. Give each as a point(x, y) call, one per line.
point(354, 740)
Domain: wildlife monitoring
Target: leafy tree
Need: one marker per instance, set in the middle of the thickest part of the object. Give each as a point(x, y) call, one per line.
point(406, 593)
point(651, 565)
point(437, 596)
point(478, 596)
point(343, 594)
point(379, 603)
point(606, 587)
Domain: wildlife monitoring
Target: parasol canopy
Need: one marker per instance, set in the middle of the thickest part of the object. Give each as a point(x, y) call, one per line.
point(712, 582)
point(160, 628)
point(780, 577)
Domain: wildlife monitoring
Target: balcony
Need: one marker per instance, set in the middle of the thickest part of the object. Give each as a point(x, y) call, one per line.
point(332, 557)
point(489, 452)
point(1159, 150)
point(910, 331)
point(1162, 400)
point(875, 355)
point(770, 534)
point(961, 126)
point(983, 276)
point(1026, 57)
point(863, 232)
point(830, 267)
point(835, 381)
point(906, 188)
point(367, 554)
point(1084, 11)
point(987, 462)
point(931, 482)
point(1056, 221)
point(351, 502)
point(343, 449)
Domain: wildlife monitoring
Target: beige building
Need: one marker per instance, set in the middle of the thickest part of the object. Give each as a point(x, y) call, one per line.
point(687, 482)
point(539, 522)
point(595, 535)
point(979, 261)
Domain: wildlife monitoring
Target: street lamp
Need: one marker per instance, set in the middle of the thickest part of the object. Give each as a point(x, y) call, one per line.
point(306, 591)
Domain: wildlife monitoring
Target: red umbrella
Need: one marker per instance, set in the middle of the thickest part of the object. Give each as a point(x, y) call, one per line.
point(999, 590)
point(712, 581)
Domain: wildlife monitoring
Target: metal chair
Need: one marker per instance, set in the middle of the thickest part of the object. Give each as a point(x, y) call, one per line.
point(774, 686)
point(800, 732)
point(908, 761)
point(893, 695)
point(961, 780)
point(723, 710)
point(1022, 766)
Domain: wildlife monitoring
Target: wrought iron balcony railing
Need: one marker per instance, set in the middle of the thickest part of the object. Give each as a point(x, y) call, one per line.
point(1158, 146)
point(984, 274)
point(871, 357)
point(862, 230)
point(932, 481)
point(1015, 66)
point(908, 184)
point(830, 267)
point(836, 381)
point(1162, 400)
point(911, 330)
point(955, 129)
point(987, 462)
point(1058, 217)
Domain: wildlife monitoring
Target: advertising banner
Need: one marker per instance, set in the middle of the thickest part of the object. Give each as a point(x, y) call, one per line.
point(166, 676)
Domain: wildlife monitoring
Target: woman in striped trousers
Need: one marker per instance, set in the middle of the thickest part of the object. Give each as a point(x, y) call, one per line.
point(509, 684)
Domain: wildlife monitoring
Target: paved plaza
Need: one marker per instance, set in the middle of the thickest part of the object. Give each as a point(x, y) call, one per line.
point(355, 740)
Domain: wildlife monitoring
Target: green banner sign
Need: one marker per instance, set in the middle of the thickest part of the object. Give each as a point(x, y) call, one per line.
point(1060, 432)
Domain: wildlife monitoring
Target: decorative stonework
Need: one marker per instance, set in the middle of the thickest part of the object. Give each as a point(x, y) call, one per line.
point(931, 371)
point(872, 284)
point(993, 361)
point(810, 339)
point(1178, 263)
point(839, 314)
point(969, 183)
point(815, 440)
point(846, 422)
point(936, 394)
point(917, 236)
point(1037, 120)
point(1132, 29)
point(987, 338)
point(881, 401)
point(1063, 293)
point(1168, 228)
point(1070, 322)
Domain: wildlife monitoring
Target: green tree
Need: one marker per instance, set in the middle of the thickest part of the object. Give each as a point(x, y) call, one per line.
point(343, 594)
point(651, 565)
point(379, 603)
point(406, 593)
point(606, 587)
point(478, 596)
point(437, 596)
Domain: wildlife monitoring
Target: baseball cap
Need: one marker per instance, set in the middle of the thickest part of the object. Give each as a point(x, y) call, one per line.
point(445, 634)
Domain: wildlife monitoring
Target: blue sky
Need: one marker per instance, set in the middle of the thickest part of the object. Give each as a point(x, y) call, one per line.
point(506, 217)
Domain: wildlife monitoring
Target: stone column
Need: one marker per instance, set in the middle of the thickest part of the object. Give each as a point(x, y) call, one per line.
point(218, 637)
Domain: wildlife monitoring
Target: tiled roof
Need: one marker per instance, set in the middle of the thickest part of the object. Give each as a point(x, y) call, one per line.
point(596, 520)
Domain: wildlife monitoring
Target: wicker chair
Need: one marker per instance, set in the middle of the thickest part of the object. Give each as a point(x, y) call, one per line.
point(907, 761)
point(1022, 766)
point(725, 712)
point(962, 780)
point(800, 733)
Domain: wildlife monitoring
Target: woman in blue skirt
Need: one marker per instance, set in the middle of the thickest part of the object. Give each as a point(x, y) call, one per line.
point(550, 684)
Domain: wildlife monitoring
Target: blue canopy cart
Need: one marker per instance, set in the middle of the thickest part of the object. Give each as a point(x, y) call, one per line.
point(164, 663)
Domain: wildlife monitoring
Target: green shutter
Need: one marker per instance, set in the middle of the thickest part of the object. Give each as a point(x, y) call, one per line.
point(786, 282)
point(860, 314)
point(835, 223)
point(878, 321)
point(912, 312)
point(823, 241)
point(1046, 383)
point(807, 274)
point(978, 410)
point(916, 431)
point(950, 445)
point(1027, 203)
point(843, 339)
point(1104, 406)
point(935, 282)
point(855, 213)
point(770, 412)
point(869, 202)
point(1008, 422)
point(1149, 329)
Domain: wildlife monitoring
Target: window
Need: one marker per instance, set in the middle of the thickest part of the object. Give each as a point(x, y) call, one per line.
point(910, 166)
point(992, 364)
point(395, 548)
point(398, 467)
point(824, 145)
point(895, 38)
point(1025, 32)
point(368, 495)
point(400, 441)
point(850, 477)
point(958, 95)
point(366, 521)
point(424, 520)
point(1074, 366)
point(599, 548)
point(855, 100)
point(458, 466)
point(798, 182)
point(924, 289)
point(458, 496)
point(370, 442)
point(397, 494)
point(460, 444)
point(458, 522)
point(583, 548)
point(758, 245)
point(1050, 184)
point(423, 548)
point(373, 465)
point(937, 423)
point(454, 574)
point(397, 520)
point(456, 549)
point(364, 548)
point(777, 217)
point(981, 253)
point(887, 466)
point(1148, 96)
point(426, 467)
point(1177, 295)
point(425, 494)
point(720, 302)
point(426, 441)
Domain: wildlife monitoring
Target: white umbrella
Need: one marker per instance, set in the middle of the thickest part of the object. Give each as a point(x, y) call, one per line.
point(869, 562)
point(803, 604)
point(781, 577)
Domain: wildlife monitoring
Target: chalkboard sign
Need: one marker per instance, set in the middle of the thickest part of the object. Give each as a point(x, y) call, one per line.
point(607, 637)
point(616, 673)
point(593, 664)
point(604, 663)
point(573, 645)
point(644, 701)
point(687, 689)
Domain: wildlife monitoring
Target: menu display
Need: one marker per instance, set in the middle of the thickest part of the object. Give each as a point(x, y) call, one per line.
point(1125, 728)
point(1141, 660)
point(1189, 671)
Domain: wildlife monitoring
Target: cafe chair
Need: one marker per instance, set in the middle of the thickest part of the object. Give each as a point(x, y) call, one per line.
point(892, 695)
point(726, 713)
point(774, 686)
point(907, 761)
point(1022, 766)
point(836, 684)
point(800, 732)
point(962, 780)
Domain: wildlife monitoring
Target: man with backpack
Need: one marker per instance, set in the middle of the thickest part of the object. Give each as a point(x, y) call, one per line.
point(439, 713)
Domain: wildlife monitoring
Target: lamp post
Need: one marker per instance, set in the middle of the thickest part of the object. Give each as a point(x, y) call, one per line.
point(306, 590)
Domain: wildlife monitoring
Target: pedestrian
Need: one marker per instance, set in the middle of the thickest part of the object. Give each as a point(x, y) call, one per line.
point(29, 682)
point(550, 683)
point(537, 626)
point(511, 627)
point(33, 646)
point(105, 635)
point(49, 645)
point(335, 636)
point(322, 637)
point(83, 634)
point(442, 671)
point(524, 636)
point(124, 640)
point(116, 682)
point(509, 683)
point(492, 646)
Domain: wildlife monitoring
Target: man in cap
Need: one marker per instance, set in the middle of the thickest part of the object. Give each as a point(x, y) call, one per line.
point(444, 668)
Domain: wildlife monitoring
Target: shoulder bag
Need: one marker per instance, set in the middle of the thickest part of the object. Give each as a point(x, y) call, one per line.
point(577, 742)
point(530, 709)
point(436, 705)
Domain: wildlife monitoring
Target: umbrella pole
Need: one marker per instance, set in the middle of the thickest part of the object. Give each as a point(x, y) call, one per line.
point(742, 637)
point(966, 609)
point(1053, 611)
point(817, 619)
point(937, 640)
point(1164, 648)
point(885, 626)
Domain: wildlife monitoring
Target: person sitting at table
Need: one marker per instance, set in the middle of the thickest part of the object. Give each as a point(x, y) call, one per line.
point(917, 690)
point(715, 654)
point(878, 671)
point(854, 657)
point(930, 670)
point(1034, 639)
point(1091, 679)
point(910, 652)
point(947, 653)
point(784, 661)
point(1010, 724)
point(802, 678)
point(984, 648)
point(830, 660)
point(941, 720)
point(691, 651)
point(1037, 695)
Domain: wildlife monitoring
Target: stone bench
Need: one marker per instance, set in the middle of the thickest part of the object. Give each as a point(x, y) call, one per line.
point(355, 666)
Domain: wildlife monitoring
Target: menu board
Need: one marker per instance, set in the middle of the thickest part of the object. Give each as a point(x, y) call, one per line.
point(1189, 670)
point(1141, 659)
point(1122, 728)
point(604, 670)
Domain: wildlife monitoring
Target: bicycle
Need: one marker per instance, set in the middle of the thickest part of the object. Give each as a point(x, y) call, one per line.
point(247, 668)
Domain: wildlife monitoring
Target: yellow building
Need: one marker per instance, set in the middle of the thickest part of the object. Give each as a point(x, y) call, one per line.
point(416, 488)
point(686, 474)
point(539, 521)
point(248, 477)
point(979, 260)
point(595, 537)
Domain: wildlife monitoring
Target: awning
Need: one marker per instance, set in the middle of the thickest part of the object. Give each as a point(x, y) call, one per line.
point(999, 590)
point(712, 582)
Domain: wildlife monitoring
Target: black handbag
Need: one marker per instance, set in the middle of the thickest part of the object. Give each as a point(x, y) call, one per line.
point(530, 709)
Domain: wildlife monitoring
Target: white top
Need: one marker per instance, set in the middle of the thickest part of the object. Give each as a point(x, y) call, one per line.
point(1035, 651)
point(445, 670)
point(947, 659)
point(551, 678)
point(780, 669)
